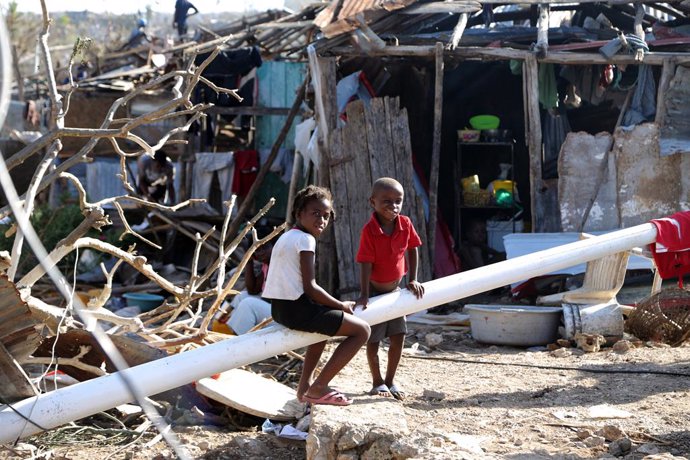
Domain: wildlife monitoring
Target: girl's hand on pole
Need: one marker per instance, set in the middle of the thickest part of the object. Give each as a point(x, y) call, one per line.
point(348, 306)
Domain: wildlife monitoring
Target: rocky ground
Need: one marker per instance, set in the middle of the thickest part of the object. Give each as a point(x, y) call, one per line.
point(465, 400)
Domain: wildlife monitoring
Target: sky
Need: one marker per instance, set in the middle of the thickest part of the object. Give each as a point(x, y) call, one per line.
point(132, 6)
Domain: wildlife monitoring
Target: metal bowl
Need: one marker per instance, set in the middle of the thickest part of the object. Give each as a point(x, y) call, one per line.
point(497, 135)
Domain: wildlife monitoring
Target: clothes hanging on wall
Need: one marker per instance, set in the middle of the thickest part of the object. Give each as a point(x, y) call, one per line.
point(246, 170)
point(643, 103)
point(207, 165)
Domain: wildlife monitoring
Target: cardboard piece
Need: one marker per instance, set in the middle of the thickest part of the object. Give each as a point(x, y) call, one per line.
point(253, 394)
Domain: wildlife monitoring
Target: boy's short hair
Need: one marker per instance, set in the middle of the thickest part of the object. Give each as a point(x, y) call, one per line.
point(385, 183)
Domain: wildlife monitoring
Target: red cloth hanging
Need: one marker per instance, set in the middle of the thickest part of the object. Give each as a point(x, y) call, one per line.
point(246, 170)
point(672, 248)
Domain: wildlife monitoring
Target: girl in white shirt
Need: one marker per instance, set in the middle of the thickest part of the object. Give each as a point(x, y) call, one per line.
point(298, 302)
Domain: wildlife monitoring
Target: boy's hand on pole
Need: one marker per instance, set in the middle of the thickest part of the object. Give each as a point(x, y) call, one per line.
point(416, 288)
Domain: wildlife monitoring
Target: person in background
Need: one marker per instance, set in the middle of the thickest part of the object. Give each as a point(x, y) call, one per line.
point(474, 250)
point(156, 178)
point(182, 8)
point(385, 242)
point(299, 303)
point(247, 308)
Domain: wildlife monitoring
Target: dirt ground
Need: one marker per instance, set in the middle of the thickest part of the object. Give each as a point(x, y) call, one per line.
point(468, 400)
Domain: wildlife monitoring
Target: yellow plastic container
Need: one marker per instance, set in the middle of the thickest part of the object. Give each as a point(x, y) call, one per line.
point(507, 185)
point(470, 183)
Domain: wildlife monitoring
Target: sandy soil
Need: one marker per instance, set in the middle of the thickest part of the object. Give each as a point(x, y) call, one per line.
point(508, 402)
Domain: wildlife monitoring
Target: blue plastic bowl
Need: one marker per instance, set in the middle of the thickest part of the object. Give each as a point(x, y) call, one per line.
point(145, 302)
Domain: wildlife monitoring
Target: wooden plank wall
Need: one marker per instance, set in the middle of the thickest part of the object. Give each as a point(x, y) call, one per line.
point(374, 143)
point(19, 338)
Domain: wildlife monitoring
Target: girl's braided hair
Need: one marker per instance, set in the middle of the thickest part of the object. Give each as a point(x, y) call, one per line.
point(307, 194)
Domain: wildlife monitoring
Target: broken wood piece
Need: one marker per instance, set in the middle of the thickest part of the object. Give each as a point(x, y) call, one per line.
point(253, 394)
point(15, 383)
point(542, 47)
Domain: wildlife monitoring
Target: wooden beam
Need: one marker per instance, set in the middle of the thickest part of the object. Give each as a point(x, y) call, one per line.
point(248, 110)
point(512, 53)
point(530, 73)
point(542, 46)
point(435, 153)
point(284, 25)
point(443, 7)
point(667, 72)
point(458, 30)
point(323, 72)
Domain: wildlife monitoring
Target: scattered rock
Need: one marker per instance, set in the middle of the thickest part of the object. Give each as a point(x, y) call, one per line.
point(561, 353)
point(401, 449)
point(590, 343)
point(433, 394)
point(563, 343)
point(379, 449)
point(249, 445)
point(437, 441)
point(203, 445)
point(583, 434)
point(610, 432)
point(347, 456)
point(622, 346)
point(433, 340)
point(620, 447)
point(663, 456)
point(352, 437)
point(594, 441)
point(648, 449)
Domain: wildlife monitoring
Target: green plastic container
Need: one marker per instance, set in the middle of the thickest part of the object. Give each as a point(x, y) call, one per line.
point(485, 122)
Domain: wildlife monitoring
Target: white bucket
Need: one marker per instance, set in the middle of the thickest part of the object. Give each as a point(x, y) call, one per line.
point(604, 319)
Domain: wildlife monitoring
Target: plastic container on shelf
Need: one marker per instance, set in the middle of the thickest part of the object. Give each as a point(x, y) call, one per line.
point(482, 122)
point(497, 229)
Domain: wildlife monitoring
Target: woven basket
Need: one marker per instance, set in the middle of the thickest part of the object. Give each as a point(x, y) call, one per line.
point(476, 198)
point(662, 317)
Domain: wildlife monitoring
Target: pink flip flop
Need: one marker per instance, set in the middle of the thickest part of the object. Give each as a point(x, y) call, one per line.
point(332, 398)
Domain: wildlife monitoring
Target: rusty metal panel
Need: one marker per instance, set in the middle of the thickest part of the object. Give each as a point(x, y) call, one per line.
point(339, 16)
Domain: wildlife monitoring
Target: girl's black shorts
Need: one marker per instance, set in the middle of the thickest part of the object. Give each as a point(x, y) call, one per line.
point(303, 314)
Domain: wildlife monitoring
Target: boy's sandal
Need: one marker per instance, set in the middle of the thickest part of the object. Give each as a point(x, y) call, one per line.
point(332, 398)
point(381, 390)
point(397, 393)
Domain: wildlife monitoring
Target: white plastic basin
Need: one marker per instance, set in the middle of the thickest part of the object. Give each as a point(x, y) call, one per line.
point(517, 325)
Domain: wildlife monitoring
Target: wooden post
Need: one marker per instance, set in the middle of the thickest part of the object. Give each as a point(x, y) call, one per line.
point(435, 153)
point(542, 47)
point(531, 81)
point(323, 72)
point(294, 179)
point(235, 225)
point(667, 72)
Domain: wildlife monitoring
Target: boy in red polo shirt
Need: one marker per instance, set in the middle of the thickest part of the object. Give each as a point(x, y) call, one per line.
point(384, 242)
